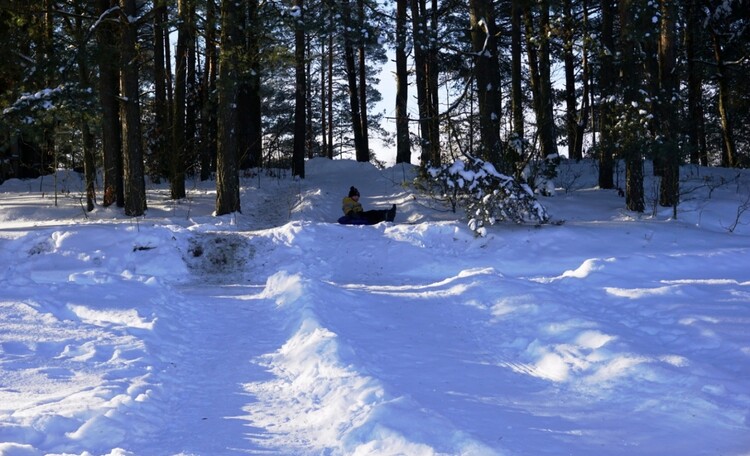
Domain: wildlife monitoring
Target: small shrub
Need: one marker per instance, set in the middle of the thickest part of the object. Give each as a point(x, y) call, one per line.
point(487, 196)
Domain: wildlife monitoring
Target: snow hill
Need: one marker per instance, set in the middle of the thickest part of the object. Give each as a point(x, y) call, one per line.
point(278, 331)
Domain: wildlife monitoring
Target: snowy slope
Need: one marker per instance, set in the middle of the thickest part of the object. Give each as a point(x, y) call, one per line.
point(276, 331)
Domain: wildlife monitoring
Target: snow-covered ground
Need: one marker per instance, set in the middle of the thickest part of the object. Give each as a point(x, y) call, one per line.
point(276, 331)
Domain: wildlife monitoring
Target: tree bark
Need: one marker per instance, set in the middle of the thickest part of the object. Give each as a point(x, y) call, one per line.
point(135, 186)
point(161, 107)
point(487, 72)
point(541, 84)
point(227, 159)
point(362, 73)
point(208, 89)
point(300, 94)
point(517, 81)
point(108, 57)
point(668, 122)
point(89, 162)
point(179, 137)
point(607, 81)
point(419, 33)
point(729, 152)
point(631, 80)
point(362, 153)
point(403, 144)
point(696, 131)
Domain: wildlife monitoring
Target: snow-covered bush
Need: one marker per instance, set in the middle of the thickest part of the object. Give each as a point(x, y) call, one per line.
point(487, 196)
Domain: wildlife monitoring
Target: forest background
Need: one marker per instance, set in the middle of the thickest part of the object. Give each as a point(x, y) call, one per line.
point(213, 89)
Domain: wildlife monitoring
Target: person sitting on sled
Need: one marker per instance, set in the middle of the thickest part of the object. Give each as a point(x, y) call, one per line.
point(355, 214)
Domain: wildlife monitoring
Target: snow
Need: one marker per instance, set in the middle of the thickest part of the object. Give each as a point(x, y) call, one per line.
point(276, 331)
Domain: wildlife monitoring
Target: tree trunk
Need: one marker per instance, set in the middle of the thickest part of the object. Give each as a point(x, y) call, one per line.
point(432, 77)
point(517, 82)
point(548, 135)
point(208, 118)
point(135, 186)
point(89, 162)
point(362, 153)
point(227, 160)
point(631, 80)
point(108, 57)
point(541, 84)
point(668, 122)
point(362, 73)
point(161, 108)
point(403, 144)
point(330, 96)
point(696, 124)
point(487, 72)
point(419, 32)
point(729, 153)
point(300, 94)
point(571, 102)
point(607, 81)
point(583, 117)
point(179, 139)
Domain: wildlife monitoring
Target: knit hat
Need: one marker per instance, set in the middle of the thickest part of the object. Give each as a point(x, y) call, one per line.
point(353, 191)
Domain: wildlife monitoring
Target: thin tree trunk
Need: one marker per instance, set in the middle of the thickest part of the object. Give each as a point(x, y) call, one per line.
point(208, 152)
point(89, 163)
point(696, 124)
point(163, 129)
point(191, 102)
point(607, 83)
point(729, 153)
point(300, 97)
point(583, 115)
point(432, 77)
point(547, 124)
point(539, 69)
point(362, 73)
point(323, 107)
point(362, 153)
point(330, 97)
point(403, 144)
point(179, 140)
point(571, 105)
point(419, 32)
point(516, 83)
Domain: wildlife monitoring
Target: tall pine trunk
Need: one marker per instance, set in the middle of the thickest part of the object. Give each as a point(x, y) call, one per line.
point(729, 152)
point(517, 81)
point(607, 82)
point(135, 186)
point(360, 144)
point(109, 80)
point(403, 144)
point(668, 122)
point(179, 136)
point(208, 91)
point(487, 73)
point(255, 125)
point(161, 108)
point(631, 79)
point(300, 94)
point(696, 133)
point(227, 159)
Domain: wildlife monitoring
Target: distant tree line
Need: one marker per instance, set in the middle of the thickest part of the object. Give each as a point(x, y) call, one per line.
point(171, 89)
